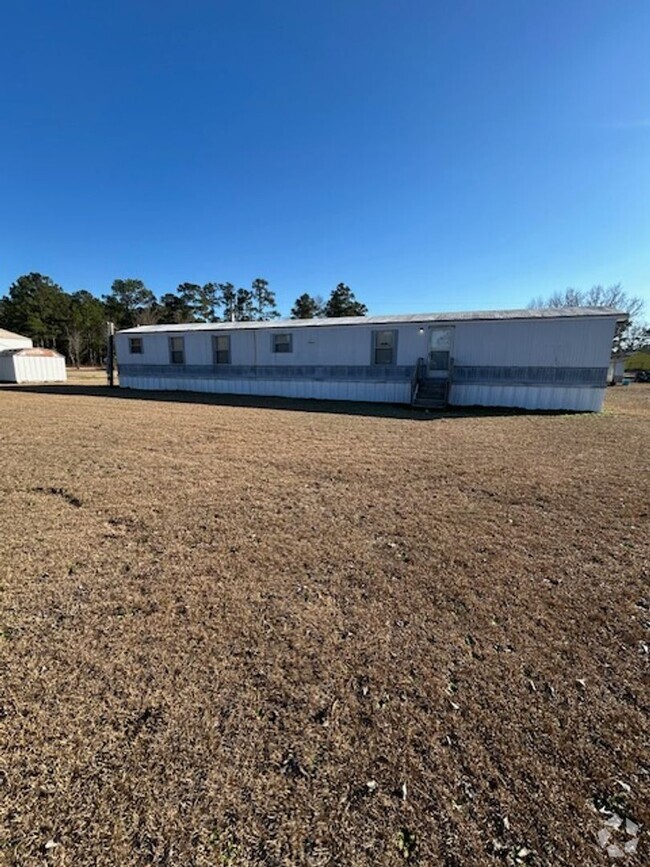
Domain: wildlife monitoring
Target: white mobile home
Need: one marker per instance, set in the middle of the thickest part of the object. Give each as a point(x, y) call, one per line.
point(533, 359)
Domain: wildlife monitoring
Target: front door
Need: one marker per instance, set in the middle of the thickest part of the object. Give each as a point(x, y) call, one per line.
point(441, 341)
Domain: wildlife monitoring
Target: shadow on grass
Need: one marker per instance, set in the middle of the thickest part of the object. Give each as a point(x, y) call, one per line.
point(333, 407)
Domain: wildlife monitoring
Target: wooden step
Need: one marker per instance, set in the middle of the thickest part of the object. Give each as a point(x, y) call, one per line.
point(431, 394)
point(439, 391)
point(427, 403)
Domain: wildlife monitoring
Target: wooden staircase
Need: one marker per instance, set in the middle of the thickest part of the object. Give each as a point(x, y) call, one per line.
point(431, 394)
point(428, 393)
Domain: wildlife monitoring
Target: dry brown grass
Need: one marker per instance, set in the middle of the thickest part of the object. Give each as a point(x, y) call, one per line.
point(87, 375)
point(246, 636)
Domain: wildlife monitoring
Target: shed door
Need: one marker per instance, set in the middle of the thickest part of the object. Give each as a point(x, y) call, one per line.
point(440, 345)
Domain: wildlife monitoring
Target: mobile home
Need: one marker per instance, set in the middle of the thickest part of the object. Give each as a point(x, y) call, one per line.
point(533, 359)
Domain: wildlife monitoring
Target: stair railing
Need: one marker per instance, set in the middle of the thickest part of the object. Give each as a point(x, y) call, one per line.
point(450, 378)
point(419, 372)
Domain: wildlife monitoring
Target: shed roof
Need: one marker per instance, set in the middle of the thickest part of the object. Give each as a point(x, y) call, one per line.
point(463, 316)
point(32, 352)
point(11, 335)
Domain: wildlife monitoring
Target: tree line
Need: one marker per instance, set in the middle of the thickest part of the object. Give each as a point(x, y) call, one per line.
point(75, 323)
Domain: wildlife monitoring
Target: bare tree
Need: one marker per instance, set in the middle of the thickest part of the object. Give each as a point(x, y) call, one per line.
point(148, 315)
point(75, 345)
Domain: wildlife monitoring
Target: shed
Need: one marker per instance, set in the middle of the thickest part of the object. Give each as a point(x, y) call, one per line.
point(32, 365)
point(10, 340)
point(533, 359)
point(616, 370)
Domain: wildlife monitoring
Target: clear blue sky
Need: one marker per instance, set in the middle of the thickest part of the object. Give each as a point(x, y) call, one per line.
point(433, 155)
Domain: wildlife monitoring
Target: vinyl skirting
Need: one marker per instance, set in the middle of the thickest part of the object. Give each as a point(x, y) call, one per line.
point(536, 397)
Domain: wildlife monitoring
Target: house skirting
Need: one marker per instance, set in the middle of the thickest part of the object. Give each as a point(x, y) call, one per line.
point(570, 388)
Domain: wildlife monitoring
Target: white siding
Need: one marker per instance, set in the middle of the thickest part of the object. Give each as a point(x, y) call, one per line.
point(32, 368)
point(580, 342)
point(350, 345)
point(546, 342)
point(616, 372)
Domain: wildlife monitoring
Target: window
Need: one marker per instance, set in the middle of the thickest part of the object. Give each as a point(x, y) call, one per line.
point(135, 345)
point(383, 347)
point(221, 348)
point(282, 343)
point(177, 350)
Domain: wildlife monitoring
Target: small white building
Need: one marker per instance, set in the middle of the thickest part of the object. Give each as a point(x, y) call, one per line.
point(533, 359)
point(10, 340)
point(616, 370)
point(29, 363)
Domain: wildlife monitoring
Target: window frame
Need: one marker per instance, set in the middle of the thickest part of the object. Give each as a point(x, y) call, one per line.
point(216, 351)
point(374, 348)
point(173, 351)
point(132, 342)
point(274, 345)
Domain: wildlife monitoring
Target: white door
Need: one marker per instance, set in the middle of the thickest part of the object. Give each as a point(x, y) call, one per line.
point(441, 340)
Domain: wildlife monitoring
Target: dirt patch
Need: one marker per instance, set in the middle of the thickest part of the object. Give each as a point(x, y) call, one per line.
point(275, 637)
point(61, 492)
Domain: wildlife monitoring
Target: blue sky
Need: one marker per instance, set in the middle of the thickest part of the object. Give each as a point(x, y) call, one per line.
point(433, 155)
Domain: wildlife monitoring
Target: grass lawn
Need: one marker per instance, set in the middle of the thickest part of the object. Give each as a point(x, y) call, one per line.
point(239, 635)
point(638, 361)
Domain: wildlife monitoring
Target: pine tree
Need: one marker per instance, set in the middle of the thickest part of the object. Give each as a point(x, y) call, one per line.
point(307, 307)
point(264, 304)
point(343, 303)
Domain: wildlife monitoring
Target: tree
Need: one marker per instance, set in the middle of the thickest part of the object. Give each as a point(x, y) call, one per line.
point(39, 308)
point(244, 306)
point(190, 295)
point(307, 307)
point(228, 300)
point(636, 339)
point(127, 301)
point(86, 329)
point(599, 296)
point(148, 315)
point(343, 303)
point(173, 310)
point(211, 301)
point(203, 301)
point(264, 304)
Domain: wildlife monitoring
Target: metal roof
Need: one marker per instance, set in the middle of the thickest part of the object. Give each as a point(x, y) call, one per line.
point(31, 352)
point(464, 316)
point(11, 335)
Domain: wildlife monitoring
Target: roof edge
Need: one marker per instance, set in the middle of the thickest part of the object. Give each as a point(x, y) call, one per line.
point(5, 334)
point(415, 318)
